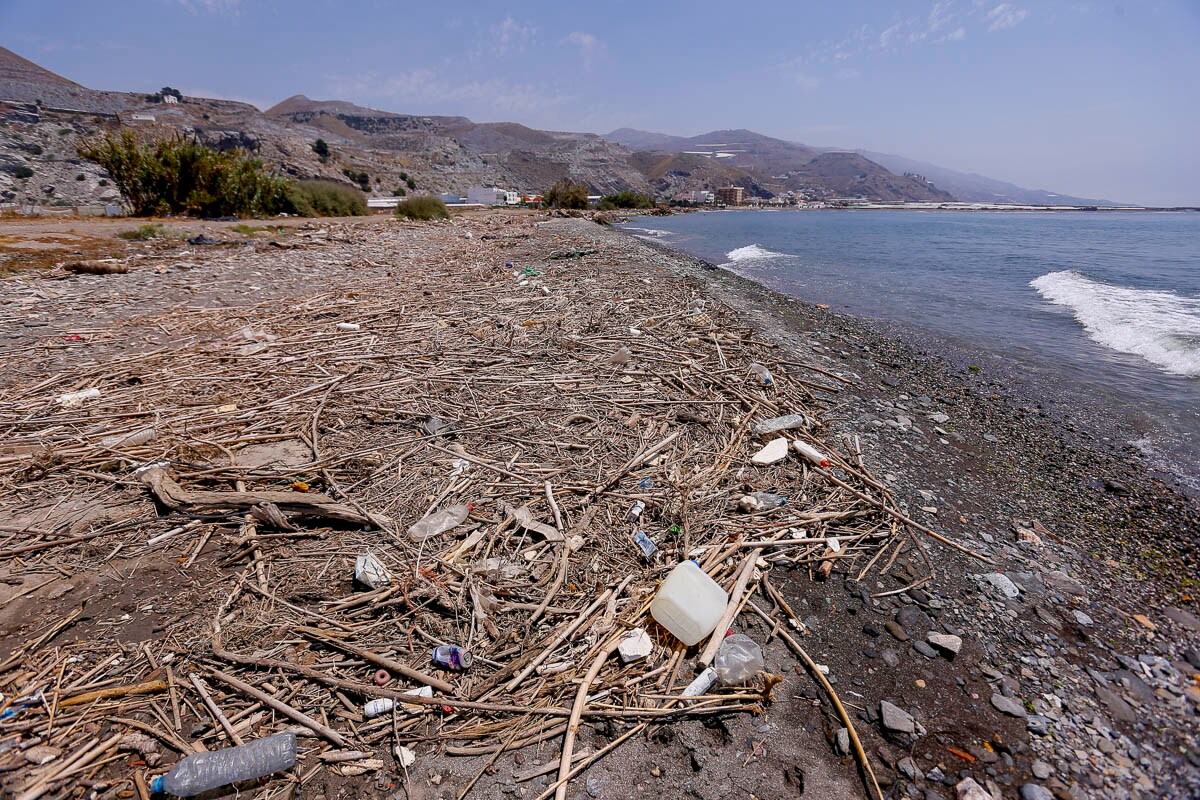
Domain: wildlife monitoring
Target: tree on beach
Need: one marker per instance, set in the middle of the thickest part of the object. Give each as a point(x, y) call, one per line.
point(566, 193)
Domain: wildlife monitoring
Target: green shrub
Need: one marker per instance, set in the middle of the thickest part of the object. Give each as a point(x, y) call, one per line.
point(361, 178)
point(566, 193)
point(104, 182)
point(317, 198)
point(65, 131)
point(181, 176)
point(423, 207)
point(143, 233)
point(36, 149)
point(626, 199)
point(399, 191)
point(321, 148)
point(409, 182)
point(22, 172)
point(81, 177)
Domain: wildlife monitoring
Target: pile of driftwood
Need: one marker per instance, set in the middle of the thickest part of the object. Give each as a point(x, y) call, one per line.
point(601, 422)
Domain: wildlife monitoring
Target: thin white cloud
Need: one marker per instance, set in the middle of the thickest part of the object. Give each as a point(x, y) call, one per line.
point(886, 37)
point(511, 36)
point(212, 6)
point(1005, 16)
point(590, 47)
point(424, 86)
point(807, 81)
point(957, 35)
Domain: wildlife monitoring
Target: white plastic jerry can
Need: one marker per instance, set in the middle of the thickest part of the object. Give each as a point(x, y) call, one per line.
point(689, 603)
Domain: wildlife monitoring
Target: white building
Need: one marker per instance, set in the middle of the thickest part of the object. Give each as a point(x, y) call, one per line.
point(488, 196)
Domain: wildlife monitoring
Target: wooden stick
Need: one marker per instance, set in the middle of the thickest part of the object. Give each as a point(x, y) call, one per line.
point(864, 763)
point(149, 687)
point(581, 694)
point(283, 708)
point(731, 609)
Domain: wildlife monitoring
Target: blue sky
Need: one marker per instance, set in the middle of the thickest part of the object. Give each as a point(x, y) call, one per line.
point(1089, 98)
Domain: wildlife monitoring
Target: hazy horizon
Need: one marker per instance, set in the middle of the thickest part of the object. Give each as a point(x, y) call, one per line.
point(1087, 99)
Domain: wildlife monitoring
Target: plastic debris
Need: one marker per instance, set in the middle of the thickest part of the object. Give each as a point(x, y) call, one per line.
point(348, 326)
point(452, 657)
point(75, 399)
point(646, 545)
point(811, 453)
point(635, 513)
point(203, 772)
point(772, 453)
point(761, 374)
point(689, 604)
point(635, 645)
point(621, 357)
point(739, 658)
point(439, 522)
point(702, 683)
point(785, 423)
point(370, 571)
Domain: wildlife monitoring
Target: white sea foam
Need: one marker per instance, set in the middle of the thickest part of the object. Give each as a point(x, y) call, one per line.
point(648, 232)
point(1161, 327)
point(751, 252)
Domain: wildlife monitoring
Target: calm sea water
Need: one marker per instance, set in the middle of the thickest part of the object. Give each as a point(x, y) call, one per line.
point(1098, 313)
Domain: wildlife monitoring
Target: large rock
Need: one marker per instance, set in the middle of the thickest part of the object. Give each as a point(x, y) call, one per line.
point(968, 789)
point(1183, 618)
point(896, 719)
point(999, 585)
point(945, 642)
point(1032, 791)
point(1007, 705)
point(1058, 581)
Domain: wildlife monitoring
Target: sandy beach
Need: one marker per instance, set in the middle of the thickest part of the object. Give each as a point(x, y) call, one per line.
point(1062, 651)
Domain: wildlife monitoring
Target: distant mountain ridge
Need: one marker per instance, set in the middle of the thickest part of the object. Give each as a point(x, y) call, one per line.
point(386, 152)
point(966, 187)
point(775, 166)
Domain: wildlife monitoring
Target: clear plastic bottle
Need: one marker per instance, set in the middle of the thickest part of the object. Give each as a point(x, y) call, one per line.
point(739, 658)
point(621, 357)
point(760, 373)
point(635, 511)
point(767, 500)
point(439, 522)
point(785, 423)
point(204, 772)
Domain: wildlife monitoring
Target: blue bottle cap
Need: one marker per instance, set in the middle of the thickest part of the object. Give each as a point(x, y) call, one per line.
point(156, 785)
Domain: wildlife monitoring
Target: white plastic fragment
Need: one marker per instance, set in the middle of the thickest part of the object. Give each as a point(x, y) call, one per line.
point(701, 684)
point(811, 453)
point(773, 452)
point(405, 757)
point(348, 326)
point(75, 399)
point(635, 645)
point(370, 571)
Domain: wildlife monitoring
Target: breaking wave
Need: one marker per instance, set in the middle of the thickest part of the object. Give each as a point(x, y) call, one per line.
point(648, 233)
point(751, 252)
point(1161, 327)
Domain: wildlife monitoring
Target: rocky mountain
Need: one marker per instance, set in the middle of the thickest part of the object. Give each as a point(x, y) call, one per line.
point(771, 166)
point(971, 187)
point(44, 115)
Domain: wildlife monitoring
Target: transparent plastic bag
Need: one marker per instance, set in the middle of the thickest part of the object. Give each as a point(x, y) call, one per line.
point(738, 659)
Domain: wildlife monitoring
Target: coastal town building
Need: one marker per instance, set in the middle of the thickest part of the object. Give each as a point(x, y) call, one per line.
point(731, 195)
